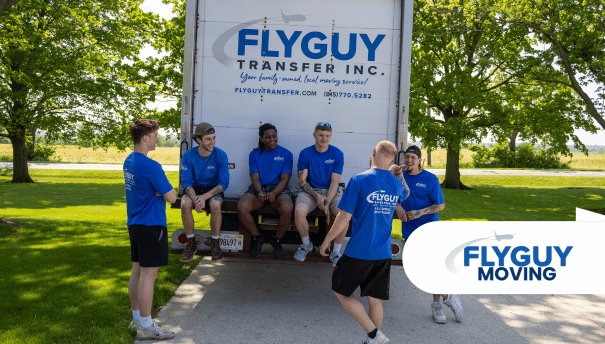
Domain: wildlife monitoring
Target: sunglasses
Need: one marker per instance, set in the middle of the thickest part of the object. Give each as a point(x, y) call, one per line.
point(323, 124)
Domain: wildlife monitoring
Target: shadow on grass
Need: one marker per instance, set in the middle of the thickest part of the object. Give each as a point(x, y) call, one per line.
point(499, 203)
point(66, 282)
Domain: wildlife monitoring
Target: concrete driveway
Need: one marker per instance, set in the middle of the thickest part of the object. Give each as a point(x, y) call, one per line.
point(253, 301)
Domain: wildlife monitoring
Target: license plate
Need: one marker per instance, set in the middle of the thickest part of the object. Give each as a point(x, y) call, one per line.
point(232, 242)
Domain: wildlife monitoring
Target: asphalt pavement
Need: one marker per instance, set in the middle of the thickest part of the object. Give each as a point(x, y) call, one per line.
point(464, 172)
point(252, 301)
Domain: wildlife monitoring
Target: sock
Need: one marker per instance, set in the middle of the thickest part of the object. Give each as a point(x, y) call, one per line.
point(136, 315)
point(216, 237)
point(306, 241)
point(190, 236)
point(146, 322)
point(336, 248)
point(372, 334)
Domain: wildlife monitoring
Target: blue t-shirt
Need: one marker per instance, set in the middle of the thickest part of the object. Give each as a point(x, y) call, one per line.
point(371, 197)
point(270, 165)
point(321, 165)
point(143, 178)
point(211, 170)
point(425, 191)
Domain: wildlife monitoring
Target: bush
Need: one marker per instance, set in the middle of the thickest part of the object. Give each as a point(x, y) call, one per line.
point(40, 152)
point(525, 156)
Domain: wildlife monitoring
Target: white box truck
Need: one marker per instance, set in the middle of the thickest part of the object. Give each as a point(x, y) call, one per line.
point(294, 64)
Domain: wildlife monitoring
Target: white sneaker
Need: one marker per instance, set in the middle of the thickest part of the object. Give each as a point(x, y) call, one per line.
point(334, 257)
point(453, 302)
point(438, 313)
point(154, 332)
point(134, 325)
point(379, 339)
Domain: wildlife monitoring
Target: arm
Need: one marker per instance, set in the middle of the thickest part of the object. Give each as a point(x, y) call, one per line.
point(398, 172)
point(335, 179)
point(401, 214)
point(341, 223)
point(302, 182)
point(170, 196)
point(255, 177)
point(414, 214)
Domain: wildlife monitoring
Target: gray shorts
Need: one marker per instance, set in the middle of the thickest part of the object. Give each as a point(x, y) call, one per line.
point(309, 200)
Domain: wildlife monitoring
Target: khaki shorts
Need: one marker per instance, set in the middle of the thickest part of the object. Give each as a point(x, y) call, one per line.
point(304, 197)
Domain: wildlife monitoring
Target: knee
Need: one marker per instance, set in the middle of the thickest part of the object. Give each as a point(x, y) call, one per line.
point(242, 208)
point(300, 212)
point(186, 204)
point(215, 206)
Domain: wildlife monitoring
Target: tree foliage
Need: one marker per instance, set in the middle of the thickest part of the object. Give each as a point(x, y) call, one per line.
point(6, 4)
point(164, 73)
point(67, 67)
point(571, 38)
point(472, 70)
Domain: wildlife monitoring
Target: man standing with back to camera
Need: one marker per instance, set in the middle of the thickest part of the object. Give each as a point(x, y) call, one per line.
point(426, 199)
point(370, 200)
point(147, 191)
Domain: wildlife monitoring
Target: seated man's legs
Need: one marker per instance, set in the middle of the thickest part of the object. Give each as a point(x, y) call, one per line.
point(283, 204)
point(335, 255)
point(245, 206)
point(216, 221)
point(187, 207)
point(304, 205)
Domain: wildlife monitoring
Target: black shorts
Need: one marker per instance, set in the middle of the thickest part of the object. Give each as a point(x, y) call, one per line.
point(148, 245)
point(373, 276)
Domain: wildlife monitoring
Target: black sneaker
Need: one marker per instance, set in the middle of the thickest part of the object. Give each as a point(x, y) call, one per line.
point(257, 246)
point(278, 251)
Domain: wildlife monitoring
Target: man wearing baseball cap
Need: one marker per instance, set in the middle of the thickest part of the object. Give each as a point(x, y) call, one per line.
point(204, 177)
point(425, 200)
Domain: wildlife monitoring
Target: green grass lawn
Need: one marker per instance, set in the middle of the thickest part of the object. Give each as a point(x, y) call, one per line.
point(64, 276)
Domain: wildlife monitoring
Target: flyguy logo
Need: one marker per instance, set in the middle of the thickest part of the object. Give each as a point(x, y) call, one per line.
point(520, 257)
point(484, 257)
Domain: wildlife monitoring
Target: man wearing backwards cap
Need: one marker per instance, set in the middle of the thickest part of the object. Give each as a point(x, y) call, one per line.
point(204, 177)
point(425, 200)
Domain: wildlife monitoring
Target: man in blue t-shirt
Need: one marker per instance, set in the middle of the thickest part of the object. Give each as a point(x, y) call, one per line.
point(370, 200)
point(204, 178)
point(319, 170)
point(425, 200)
point(147, 191)
point(270, 170)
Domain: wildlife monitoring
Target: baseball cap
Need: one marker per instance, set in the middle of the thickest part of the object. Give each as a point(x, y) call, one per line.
point(204, 129)
point(414, 150)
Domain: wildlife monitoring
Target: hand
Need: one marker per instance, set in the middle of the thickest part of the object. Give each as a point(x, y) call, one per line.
point(396, 170)
point(324, 250)
point(158, 194)
point(271, 196)
point(321, 202)
point(413, 214)
point(200, 203)
point(401, 214)
point(262, 197)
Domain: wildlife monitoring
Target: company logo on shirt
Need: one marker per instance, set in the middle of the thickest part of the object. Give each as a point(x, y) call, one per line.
point(420, 185)
point(279, 158)
point(330, 161)
point(381, 197)
point(184, 167)
point(212, 167)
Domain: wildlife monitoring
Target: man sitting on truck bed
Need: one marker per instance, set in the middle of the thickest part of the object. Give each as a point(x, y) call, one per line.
point(204, 177)
point(319, 170)
point(270, 170)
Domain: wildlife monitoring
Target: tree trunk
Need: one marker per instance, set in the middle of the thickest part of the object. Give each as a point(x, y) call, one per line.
point(512, 144)
point(452, 170)
point(20, 170)
point(428, 157)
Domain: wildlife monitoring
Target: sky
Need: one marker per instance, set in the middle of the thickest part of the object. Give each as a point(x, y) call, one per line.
point(164, 11)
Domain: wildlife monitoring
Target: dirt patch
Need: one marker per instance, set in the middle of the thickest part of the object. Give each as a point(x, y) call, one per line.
point(12, 223)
